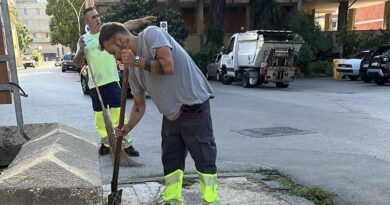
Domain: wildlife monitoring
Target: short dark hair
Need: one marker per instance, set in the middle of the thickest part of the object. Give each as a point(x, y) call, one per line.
point(108, 30)
point(88, 10)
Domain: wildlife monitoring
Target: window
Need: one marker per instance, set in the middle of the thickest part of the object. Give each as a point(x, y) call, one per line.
point(34, 35)
point(360, 55)
point(231, 45)
point(382, 50)
point(68, 57)
point(38, 11)
point(47, 35)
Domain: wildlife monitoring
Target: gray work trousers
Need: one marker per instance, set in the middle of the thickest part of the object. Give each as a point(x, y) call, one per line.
point(193, 132)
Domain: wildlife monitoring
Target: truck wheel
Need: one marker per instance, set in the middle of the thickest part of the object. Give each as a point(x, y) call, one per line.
point(281, 85)
point(380, 81)
point(63, 69)
point(245, 80)
point(226, 80)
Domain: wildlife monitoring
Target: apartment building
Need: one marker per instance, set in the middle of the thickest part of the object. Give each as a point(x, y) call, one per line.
point(33, 15)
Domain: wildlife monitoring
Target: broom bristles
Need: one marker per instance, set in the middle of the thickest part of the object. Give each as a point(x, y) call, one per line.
point(125, 159)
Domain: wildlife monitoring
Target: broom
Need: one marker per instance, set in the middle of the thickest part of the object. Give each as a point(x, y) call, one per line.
point(108, 123)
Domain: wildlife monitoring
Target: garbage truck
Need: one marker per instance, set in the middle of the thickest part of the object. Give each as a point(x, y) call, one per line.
point(261, 56)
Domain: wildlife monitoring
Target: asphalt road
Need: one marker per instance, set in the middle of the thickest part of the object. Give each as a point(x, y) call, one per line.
point(334, 134)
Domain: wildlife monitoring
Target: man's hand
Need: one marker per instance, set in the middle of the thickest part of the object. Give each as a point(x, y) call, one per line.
point(124, 131)
point(127, 57)
point(148, 19)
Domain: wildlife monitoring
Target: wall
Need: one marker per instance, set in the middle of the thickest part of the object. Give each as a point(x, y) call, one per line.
point(370, 17)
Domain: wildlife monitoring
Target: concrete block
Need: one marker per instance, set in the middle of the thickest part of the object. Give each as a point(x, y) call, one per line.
point(11, 140)
point(58, 166)
point(10, 143)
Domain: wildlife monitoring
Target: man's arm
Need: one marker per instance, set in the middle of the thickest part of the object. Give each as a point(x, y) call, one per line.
point(78, 59)
point(134, 24)
point(136, 114)
point(161, 64)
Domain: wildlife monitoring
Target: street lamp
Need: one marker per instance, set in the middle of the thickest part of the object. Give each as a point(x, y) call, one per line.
point(78, 14)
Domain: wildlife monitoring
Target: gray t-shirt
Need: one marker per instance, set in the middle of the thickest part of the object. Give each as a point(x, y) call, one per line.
point(187, 85)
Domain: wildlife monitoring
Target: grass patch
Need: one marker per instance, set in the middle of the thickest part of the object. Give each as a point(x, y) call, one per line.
point(314, 194)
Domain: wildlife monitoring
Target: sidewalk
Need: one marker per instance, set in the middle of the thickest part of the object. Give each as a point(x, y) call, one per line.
point(234, 189)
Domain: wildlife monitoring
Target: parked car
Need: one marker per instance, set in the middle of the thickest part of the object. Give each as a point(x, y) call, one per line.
point(28, 61)
point(57, 61)
point(213, 70)
point(84, 78)
point(364, 67)
point(67, 63)
point(379, 65)
point(350, 67)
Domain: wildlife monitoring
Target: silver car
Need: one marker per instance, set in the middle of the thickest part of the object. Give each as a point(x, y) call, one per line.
point(57, 61)
point(213, 70)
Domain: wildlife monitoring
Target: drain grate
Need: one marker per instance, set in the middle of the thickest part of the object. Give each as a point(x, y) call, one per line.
point(272, 132)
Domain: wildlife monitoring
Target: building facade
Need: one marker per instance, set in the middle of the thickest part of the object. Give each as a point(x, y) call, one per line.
point(332, 14)
point(33, 15)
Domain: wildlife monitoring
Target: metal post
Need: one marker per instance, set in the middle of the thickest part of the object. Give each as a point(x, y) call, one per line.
point(12, 64)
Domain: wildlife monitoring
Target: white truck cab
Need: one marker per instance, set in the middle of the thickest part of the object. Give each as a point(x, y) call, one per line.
point(261, 56)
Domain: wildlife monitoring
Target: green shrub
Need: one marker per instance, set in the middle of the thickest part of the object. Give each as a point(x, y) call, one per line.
point(354, 42)
point(205, 55)
point(319, 67)
point(305, 57)
point(317, 48)
point(311, 33)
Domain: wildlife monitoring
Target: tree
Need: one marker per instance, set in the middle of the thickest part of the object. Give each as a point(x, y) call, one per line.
point(216, 16)
point(265, 14)
point(37, 56)
point(64, 26)
point(311, 32)
point(24, 39)
point(127, 10)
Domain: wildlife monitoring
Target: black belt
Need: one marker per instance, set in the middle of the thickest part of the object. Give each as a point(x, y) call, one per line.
point(192, 109)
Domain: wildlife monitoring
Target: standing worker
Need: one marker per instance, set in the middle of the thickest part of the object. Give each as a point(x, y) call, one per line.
point(103, 66)
point(164, 70)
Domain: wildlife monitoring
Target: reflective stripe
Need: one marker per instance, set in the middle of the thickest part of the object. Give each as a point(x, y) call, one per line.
point(208, 186)
point(99, 124)
point(115, 112)
point(101, 129)
point(173, 183)
point(173, 177)
point(208, 179)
